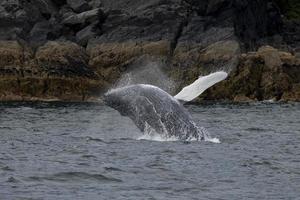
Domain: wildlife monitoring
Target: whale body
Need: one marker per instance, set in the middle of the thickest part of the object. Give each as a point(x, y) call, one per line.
point(151, 107)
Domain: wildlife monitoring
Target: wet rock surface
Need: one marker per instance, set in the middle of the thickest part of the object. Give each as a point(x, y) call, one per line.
point(89, 44)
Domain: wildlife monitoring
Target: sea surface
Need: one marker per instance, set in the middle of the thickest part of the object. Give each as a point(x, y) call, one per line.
point(88, 151)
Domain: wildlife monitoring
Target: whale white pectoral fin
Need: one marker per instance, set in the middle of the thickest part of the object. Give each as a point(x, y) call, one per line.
point(193, 90)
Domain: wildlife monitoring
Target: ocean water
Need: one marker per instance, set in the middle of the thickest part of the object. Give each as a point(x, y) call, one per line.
point(88, 151)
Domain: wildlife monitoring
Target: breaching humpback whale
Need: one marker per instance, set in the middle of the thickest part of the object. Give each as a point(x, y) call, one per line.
point(149, 107)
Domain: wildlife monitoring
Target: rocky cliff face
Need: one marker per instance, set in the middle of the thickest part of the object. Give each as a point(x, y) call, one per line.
point(76, 49)
point(268, 74)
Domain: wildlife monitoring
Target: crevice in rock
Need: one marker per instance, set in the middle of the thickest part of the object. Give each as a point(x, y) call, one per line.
point(178, 34)
point(45, 87)
point(199, 7)
point(180, 29)
point(259, 94)
point(102, 17)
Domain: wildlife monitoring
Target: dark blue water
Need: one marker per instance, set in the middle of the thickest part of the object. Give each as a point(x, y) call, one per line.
point(88, 151)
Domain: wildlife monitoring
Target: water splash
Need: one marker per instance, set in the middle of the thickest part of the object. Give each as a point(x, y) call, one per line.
point(146, 70)
point(157, 137)
point(162, 138)
point(151, 134)
point(213, 140)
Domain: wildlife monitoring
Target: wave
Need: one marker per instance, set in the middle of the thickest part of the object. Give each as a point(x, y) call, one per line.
point(74, 176)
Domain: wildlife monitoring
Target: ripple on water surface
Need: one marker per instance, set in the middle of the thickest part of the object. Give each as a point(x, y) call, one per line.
point(89, 151)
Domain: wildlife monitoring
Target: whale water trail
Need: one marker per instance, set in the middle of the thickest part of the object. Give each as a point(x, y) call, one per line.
point(159, 115)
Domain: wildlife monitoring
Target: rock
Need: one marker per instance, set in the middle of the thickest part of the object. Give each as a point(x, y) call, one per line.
point(78, 5)
point(291, 33)
point(242, 98)
point(44, 31)
point(297, 55)
point(39, 31)
point(270, 55)
point(48, 89)
point(84, 35)
point(189, 37)
point(143, 21)
point(95, 3)
point(293, 94)
point(255, 20)
point(17, 18)
point(139, 28)
point(258, 77)
point(215, 5)
point(58, 71)
point(46, 7)
point(189, 63)
point(65, 59)
point(59, 2)
point(14, 59)
point(290, 8)
point(65, 12)
point(82, 18)
point(110, 60)
point(220, 54)
point(11, 14)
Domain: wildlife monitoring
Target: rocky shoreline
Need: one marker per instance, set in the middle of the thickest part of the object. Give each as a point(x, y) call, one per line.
point(75, 50)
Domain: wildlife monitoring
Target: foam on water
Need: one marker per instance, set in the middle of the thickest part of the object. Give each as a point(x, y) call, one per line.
point(157, 137)
point(213, 140)
point(161, 138)
point(151, 134)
